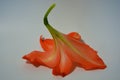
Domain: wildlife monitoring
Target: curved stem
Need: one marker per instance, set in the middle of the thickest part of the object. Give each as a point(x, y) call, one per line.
point(53, 31)
point(46, 15)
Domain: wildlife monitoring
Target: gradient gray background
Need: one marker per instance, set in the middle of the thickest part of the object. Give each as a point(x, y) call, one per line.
point(98, 21)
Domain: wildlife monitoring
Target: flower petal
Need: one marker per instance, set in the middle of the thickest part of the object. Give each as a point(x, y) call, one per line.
point(75, 35)
point(47, 44)
point(49, 58)
point(84, 55)
point(31, 58)
point(65, 66)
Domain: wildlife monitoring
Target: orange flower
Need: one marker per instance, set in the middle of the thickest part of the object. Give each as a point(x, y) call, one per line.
point(64, 52)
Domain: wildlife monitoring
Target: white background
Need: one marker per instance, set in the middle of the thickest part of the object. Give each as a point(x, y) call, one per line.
point(21, 24)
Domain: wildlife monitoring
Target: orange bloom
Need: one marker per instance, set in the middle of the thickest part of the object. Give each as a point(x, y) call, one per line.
point(64, 52)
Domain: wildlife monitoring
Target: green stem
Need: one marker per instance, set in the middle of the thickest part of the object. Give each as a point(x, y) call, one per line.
point(55, 34)
point(46, 14)
point(48, 26)
point(53, 31)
